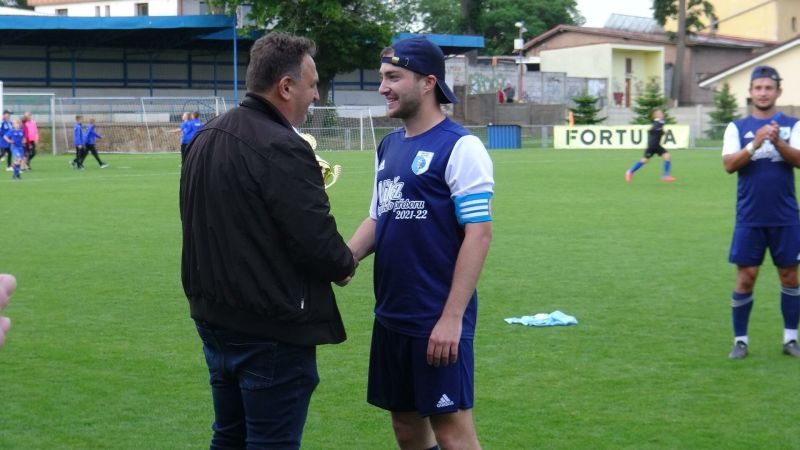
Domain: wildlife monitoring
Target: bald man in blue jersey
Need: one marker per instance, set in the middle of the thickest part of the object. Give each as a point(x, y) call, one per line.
point(430, 228)
point(763, 149)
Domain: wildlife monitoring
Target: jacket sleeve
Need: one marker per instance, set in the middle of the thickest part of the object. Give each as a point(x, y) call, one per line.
point(296, 196)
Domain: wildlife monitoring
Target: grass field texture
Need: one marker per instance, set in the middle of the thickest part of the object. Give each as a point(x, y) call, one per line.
point(103, 355)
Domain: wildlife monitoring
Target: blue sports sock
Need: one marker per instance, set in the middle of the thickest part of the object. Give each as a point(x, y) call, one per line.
point(741, 305)
point(636, 166)
point(667, 167)
point(790, 307)
point(16, 170)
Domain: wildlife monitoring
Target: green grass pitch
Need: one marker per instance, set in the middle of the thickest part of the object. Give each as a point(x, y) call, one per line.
point(103, 354)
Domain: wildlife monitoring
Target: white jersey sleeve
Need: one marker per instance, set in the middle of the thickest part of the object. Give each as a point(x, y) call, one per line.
point(794, 139)
point(469, 170)
point(470, 175)
point(373, 207)
point(730, 141)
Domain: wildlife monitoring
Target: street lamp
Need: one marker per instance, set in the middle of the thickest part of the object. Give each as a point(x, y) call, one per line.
point(518, 44)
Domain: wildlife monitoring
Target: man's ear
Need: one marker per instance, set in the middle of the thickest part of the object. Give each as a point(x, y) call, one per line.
point(283, 87)
point(430, 83)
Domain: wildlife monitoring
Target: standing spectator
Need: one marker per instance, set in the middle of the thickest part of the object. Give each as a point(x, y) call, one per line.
point(31, 137)
point(5, 147)
point(89, 139)
point(509, 92)
point(430, 227)
point(501, 97)
point(260, 250)
point(77, 139)
point(7, 285)
point(185, 131)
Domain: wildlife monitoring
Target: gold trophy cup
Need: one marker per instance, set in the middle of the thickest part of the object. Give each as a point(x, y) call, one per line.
point(330, 174)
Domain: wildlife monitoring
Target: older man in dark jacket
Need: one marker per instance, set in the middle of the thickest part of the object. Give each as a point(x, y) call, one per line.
point(260, 250)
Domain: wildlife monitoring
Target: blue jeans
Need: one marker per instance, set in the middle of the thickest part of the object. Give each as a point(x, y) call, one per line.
point(261, 390)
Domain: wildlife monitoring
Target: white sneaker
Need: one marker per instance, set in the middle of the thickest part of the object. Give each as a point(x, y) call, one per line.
point(103, 166)
point(9, 169)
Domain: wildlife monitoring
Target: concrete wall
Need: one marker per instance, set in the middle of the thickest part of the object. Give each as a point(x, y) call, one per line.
point(771, 20)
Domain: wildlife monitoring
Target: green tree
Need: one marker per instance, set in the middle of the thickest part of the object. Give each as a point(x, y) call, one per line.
point(688, 15)
point(349, 33)
point(495, 19)
point(726, 111)
point(585, 110)
point(651, 99)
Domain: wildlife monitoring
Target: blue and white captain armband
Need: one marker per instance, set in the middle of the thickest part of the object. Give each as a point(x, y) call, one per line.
point(473, 208)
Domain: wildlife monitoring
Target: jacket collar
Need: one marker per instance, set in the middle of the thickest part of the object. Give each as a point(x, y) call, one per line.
point(263, 105)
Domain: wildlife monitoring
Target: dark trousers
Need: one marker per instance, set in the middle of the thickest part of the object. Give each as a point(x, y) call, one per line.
point(183, 152)
point(86, 149)
point(261, 390)
point(79, 155)
point(30, 151)
point(7, 151)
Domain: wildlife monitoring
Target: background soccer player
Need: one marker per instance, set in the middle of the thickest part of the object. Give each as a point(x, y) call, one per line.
point(430, 228)
point(77, 140)
point(654, 148)
point(89, 139)
point(763, 149)
point(5, 147)
point(14, 138)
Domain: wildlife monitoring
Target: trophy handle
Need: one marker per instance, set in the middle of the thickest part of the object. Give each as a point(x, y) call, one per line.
point(335, 172)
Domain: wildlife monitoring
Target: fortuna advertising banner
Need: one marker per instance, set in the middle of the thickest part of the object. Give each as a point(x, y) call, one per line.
point(619, 136)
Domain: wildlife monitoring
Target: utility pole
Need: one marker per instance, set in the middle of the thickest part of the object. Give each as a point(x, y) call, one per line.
point(677, 69)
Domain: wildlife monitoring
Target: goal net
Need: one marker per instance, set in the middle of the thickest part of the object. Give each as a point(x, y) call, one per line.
point(132, 124)
point(41, 108)
point(341, 127)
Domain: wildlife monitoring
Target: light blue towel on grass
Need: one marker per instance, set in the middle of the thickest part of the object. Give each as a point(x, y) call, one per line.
point(555, 318)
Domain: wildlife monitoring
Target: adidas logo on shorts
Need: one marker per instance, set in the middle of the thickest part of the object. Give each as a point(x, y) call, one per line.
point(444, 402)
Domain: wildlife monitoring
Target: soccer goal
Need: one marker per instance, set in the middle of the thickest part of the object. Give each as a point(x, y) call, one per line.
point(133, 124)
point(41, 108)
point(341, 127)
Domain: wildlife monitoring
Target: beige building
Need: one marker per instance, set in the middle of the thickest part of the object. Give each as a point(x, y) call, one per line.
point(785, 59)
point(630, 59)
point(773, 20)
point(628, 68)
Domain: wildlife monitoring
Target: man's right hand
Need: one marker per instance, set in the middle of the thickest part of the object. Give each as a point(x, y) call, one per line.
point(768, 132)
point(7, 285)
point(347, 280)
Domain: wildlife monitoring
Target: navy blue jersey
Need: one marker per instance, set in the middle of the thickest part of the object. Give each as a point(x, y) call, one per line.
point(426, 188)
point(766, 193)
point(5, 127)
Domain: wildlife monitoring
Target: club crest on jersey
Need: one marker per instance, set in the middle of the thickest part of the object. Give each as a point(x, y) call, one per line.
point(422, 162)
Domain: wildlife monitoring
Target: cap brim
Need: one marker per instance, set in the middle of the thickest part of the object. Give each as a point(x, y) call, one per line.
point(446, 92)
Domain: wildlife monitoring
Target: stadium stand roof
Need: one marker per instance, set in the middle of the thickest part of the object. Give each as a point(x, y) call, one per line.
point(451, 44)
point(131, 32)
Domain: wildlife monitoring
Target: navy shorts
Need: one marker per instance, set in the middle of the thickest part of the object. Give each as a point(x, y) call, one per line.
point(750, 243)
point(401, 380)
point(649, 152)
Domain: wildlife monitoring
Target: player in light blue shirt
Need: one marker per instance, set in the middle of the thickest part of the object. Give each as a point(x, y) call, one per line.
point(14, 138)
point(764, 149)
point(429, 226)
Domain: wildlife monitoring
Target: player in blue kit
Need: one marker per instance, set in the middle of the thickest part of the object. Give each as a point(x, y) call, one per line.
point(430, 228)
point(77, 140)
point(14, 139)
point(89, 138)
point(654, 147)
point(764, 148)
point(5, 147)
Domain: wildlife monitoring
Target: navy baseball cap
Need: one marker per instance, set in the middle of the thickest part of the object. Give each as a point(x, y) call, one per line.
point(765, 72)
point(422, 56)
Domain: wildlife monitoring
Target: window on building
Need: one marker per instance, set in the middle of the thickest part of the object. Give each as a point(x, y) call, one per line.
point(141, 9)
point(61, 12)
point(108, 10)
point(628, 66)
point(97, 11)
point(794, 24)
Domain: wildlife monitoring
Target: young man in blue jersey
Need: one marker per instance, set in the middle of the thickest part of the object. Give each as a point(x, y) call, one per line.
point(77, 140)
point(89, 139)
point(764, 148)
point(5, 147)
point(654, 148)
point(430, 228)
point(14, 138)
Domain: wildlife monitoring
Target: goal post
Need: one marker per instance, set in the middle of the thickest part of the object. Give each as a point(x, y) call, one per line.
point(341, 127)
point(41, 107)
point(133, 124)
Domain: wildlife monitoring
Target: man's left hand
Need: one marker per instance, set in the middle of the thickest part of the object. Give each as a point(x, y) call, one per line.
point(444, 340)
